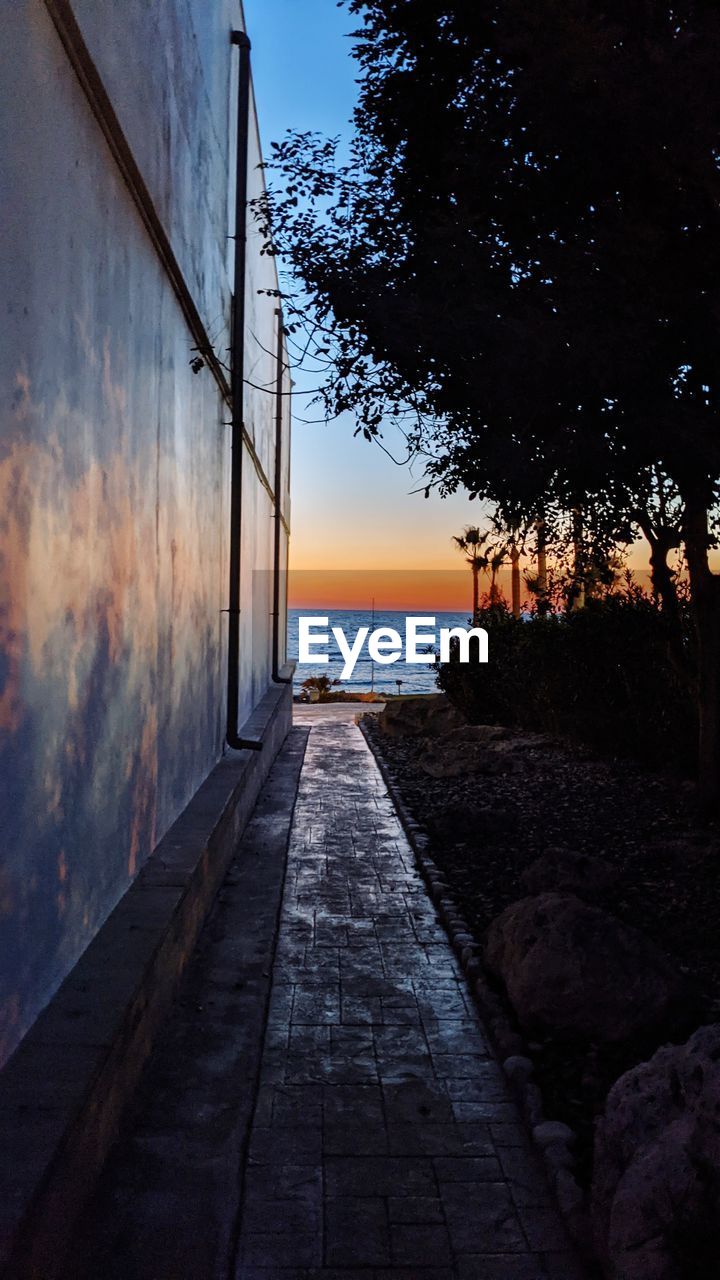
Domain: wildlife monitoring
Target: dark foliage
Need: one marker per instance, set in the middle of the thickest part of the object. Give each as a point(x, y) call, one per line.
point(517, 262)
point(606, 675)
point(521, 242)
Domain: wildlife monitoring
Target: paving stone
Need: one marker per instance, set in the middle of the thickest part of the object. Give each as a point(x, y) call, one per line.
point(510, 1133)
point(304, 1039)
point(420, 1245)
point(263, 1216)
point(278, 1251)
point(352, 1040)
point(353, 1104)
point(384, 1142)
point(417, 1103)
point(525, 1177)
point(378, 1175)
point(502, 1267)
point(440, 1140)
point(356, 1011)
point(483, 1112)
point(415, 1209)
point(356, 1232)
point(340, 1139)
point(275, 1273)
point(284, 1182)
point(481, 1216)
point(466, 1066)
point(316, 1006)
point(296, 1145)
point(299, 1105)
point(415, 1111)
point(542, 1228)
point(415, 1273)
point(562, 1266)
point(400, 1042)
point(478, 1087)
point(467, 1169)
point(400, 1014)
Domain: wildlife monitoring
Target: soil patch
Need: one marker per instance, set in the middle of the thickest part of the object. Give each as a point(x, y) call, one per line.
point(487, 829)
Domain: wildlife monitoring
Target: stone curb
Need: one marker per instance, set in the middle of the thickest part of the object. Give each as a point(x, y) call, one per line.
point(553, 1140)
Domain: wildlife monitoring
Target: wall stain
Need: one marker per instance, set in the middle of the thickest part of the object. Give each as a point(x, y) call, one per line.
point(114, 471)
point(110, 655)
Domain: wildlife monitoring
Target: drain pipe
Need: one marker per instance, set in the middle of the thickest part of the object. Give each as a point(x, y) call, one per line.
point(237, 387)
point(279, 409)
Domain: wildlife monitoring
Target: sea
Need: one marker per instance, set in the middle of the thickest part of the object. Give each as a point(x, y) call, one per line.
point(368, 676)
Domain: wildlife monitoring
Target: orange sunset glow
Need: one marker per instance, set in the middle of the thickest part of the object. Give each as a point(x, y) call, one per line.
point(406, 590)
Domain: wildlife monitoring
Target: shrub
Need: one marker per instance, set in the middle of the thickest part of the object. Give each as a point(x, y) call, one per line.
point(328, 691)
point(616, 675)
point(321, 684)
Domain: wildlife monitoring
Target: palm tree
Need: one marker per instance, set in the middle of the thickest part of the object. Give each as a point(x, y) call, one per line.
point(471, 542)
point(495, 560)
point(515, 563)
point(542, 571)
point(538, 582)
point(509, 529)
point(579, 568)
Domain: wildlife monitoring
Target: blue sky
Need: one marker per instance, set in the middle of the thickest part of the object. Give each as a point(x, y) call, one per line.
point(352, 507)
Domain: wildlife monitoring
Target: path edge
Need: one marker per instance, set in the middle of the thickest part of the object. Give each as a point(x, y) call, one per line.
point(554, 1147)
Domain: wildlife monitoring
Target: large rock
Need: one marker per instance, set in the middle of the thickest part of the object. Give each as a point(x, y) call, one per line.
point(562, 870)
point(571, 968)
point(426, 716)
point(656, 1175)
point(478, 748)
point(472, 748)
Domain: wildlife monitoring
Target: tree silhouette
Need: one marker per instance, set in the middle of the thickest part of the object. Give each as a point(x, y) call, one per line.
point(471, 542)
point(515, 265)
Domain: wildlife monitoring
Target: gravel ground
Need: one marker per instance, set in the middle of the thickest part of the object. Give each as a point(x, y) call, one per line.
point(485, 830)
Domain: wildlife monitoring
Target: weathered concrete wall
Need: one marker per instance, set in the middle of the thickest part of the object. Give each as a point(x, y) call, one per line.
point(114, 467)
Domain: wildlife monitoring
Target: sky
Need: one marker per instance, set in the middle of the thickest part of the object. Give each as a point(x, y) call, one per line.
point(352, 508)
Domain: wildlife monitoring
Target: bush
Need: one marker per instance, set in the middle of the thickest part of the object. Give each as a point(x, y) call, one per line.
point(615, 675)
point(327, 691)
point(322, 685)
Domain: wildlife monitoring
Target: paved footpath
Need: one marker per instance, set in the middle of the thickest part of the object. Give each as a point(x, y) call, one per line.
point(384, 1138)
point(324, 1107)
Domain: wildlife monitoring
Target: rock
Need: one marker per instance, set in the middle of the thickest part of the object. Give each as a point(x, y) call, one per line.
point(551, 1131)
point(573, 969)
point(489, 1002)
point(508, 1043)
point(517, 743)
point(565, 871)
point(461, 939)
point(683, 849)
point(558, 1156)
point(518, 1069)
point(532, 1105)
point(569, 1196)
point(465, 750)
point(656, 1175)
point(489, 749)
point(426, 716)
